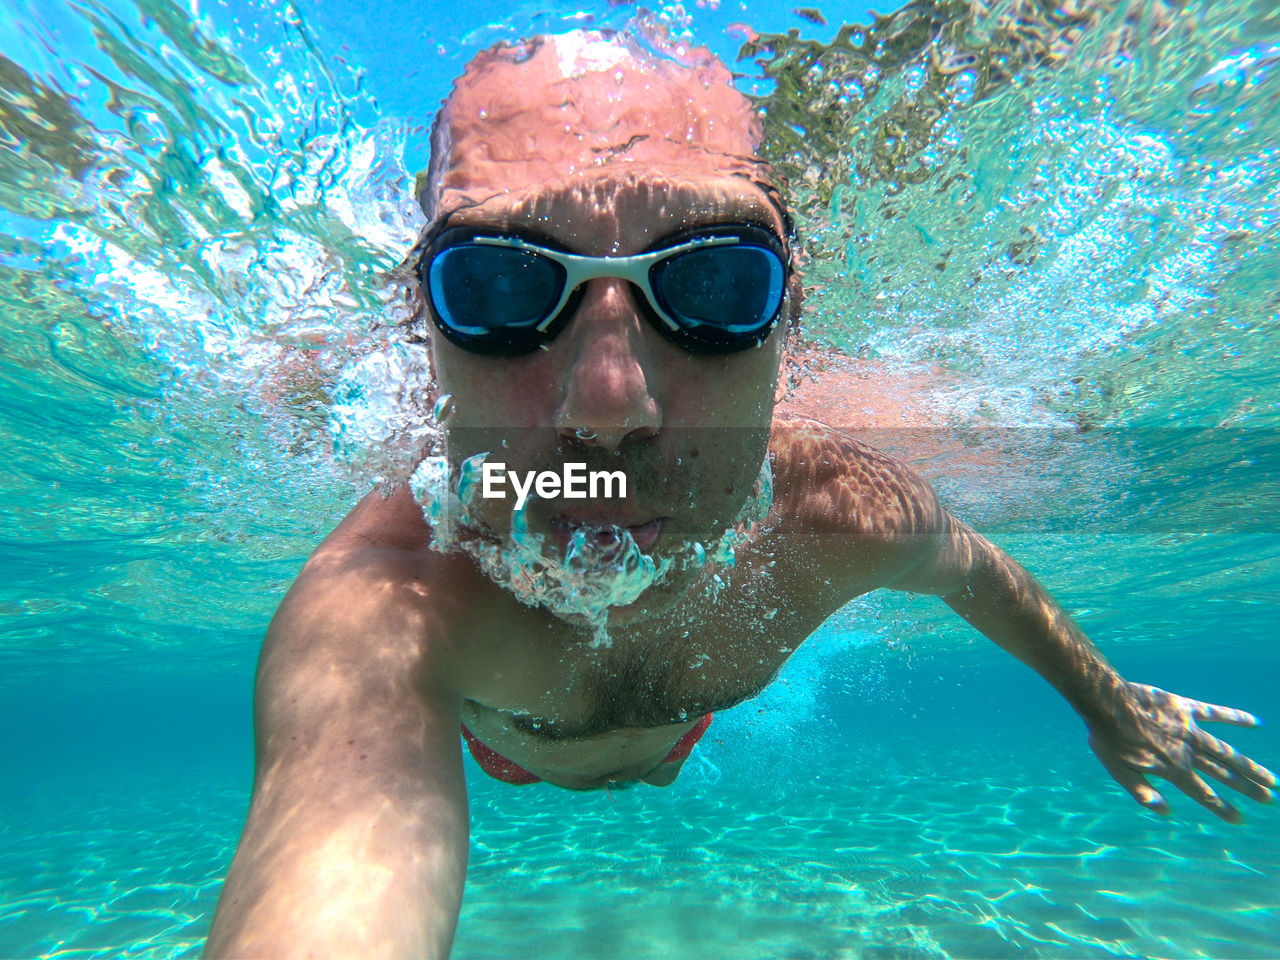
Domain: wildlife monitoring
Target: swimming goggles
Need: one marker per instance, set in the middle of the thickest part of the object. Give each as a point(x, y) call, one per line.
point(717, 289)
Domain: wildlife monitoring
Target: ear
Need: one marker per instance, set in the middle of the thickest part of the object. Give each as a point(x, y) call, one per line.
point(795, 300)
point(420, 332)
point(780, 385)
point(790, 334)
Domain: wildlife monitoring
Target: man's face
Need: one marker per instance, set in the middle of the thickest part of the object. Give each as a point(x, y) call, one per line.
point(607, 163)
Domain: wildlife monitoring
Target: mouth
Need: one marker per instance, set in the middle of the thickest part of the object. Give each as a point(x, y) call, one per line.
point(601, 530)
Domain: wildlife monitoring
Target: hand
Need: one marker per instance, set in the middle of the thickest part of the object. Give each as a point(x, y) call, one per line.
point(1154, 732)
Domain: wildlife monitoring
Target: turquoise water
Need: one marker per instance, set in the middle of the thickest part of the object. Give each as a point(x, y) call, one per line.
point(1060, 235)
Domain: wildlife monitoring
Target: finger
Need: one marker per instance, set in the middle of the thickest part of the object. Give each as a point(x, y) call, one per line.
point(1212, 712)
point(1200, 709)
point(1135, 784)
point(1252, 790)
point(1194, 787)
point(1222, 752)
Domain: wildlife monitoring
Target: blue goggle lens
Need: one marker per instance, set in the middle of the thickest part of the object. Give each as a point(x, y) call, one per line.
point(481, 291)
point(721, 292)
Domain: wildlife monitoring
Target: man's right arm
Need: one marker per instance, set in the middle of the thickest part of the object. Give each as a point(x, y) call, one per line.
point(356, 839)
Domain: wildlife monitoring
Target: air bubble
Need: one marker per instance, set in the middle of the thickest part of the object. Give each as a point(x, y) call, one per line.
point(443, 407)
point(962, 87)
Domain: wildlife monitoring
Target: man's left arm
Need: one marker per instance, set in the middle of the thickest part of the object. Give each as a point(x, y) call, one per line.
point(1135, 730)
point(885, 527)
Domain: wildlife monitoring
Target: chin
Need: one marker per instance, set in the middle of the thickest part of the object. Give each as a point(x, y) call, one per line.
point(658, 600)
point(633, 613)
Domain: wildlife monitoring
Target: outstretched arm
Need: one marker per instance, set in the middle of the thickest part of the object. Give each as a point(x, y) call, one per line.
point(885, 528)
point(356, 840)
point(1135, 730)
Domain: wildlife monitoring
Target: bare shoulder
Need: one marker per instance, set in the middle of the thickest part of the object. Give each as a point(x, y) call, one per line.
point(831, 482)
point(373, 590)
point(390, 520)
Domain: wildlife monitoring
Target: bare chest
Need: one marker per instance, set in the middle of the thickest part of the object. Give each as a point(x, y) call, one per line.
point(610, 713)
point(541, 694)
point(572, 712)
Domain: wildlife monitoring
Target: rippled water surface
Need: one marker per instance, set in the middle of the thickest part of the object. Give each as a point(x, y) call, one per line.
point(1055, 224)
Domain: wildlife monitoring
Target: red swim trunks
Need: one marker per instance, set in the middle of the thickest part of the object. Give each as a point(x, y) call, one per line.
point(499, 767)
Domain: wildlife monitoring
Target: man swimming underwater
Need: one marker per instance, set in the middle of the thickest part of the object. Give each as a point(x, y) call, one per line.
point(606, 279)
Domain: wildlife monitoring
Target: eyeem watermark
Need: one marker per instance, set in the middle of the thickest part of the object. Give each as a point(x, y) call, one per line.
point(574, 482)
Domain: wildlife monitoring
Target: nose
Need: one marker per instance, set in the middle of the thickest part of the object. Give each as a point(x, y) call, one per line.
point(610, 388)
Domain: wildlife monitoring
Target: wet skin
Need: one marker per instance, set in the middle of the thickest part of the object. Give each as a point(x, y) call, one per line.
point(384, 645)
point(689, 430)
